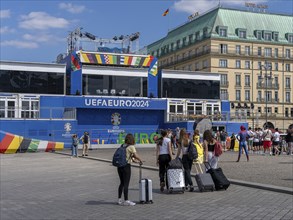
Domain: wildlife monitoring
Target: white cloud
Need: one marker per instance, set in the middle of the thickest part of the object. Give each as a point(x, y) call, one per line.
point(192, 6)
point(4, 13)
point(74, 9)
point(6, 29)
point(42, 21)
point(43, 37)
point(20, 44)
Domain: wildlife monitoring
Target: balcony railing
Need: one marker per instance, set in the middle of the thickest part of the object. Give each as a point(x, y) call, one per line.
point(262, 85)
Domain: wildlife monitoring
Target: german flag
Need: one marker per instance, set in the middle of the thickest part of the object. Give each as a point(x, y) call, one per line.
point(166, 12)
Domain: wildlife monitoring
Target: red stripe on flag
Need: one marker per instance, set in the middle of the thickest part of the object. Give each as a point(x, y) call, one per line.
point(129, 60)
point(50, 146)
point(75, 62)
point(150, 61)
point(6, 141)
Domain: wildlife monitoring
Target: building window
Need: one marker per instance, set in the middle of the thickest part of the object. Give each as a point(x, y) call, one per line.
point(259, 96)
point(205, 64)
point(224, 79)
point(205, 32)
point(223, 48)
point(259, 65)
point(205, 48)
point(276, 66)
point(247, 80)
point(238, 95)
point(247, 50)
point(276, 81)
point(238, 80)
point(259, 51)
point(290, 38)
point(224, 94)
point(223, 32)
point(223, 63)
point(247, 64)
point(287, 83)
point(238, 64)
point(190, 38)
point(197, 35)
point(276, 110)
point(287, 67)
point(269, 96)
point(172, 46)
point(276, 36)
point(276, 96)
point(286, 112)
point(258, 35)
point(288, 55)
point(197, 66)
point(178, 44)
point(238, 49)
point(288, 97)
point(267, 36)
point(184, 41)
point(247, 95)
point(242, 34)
point(291, 112)
point(259, 109)
point(276, 52)
point(268, 52)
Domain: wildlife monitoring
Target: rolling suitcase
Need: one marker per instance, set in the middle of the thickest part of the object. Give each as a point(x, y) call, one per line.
point(145, 189)
point(204, 180)
point(175, 180)
point(220, 180)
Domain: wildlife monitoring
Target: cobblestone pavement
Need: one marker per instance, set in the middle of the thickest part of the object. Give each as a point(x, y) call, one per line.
point(54, 186)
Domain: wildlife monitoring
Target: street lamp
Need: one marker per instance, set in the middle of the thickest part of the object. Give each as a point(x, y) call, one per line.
point(266, 77)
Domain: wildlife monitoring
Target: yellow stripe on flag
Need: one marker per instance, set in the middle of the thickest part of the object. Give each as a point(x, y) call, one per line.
point(84, 58)
point(14, 145)
point(146, 61)
point(110, 59)
point(98, 56)
point(59, 146)
point(126, 58)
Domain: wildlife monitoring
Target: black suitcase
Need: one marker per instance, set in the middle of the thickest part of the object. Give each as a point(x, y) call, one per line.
point(204, 180)
point(220, 180)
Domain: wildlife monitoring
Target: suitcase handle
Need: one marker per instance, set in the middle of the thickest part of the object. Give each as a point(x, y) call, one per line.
point(207, 165)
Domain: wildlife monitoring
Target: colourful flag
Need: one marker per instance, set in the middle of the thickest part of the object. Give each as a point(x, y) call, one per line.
point(166, 12)
point(75, 63)
point(153, 69)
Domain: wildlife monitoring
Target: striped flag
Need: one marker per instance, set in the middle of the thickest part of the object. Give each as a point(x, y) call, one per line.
point(153, 69)
point(166, 12)
point(75, 63)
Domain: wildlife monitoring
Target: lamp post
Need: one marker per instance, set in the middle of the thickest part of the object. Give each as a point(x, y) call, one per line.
point(266, 77)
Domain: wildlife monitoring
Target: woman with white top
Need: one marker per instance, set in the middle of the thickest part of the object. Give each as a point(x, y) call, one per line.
point(187, 163)
point(276, 141)
point(163, 156)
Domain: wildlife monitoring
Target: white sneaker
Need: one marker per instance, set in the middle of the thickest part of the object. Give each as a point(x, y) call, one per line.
point(120, 202)
point(128, 202)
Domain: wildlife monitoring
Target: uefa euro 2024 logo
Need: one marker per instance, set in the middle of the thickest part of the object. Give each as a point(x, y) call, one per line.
point(115, 119)
point(67, 127)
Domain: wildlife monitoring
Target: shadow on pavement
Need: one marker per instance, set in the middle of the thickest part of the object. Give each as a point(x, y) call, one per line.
point(101, 202)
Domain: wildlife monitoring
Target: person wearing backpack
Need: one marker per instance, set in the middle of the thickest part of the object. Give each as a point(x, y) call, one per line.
point(186, 161)
point(163, 156)
point(74, 146)
point(85, 143)
point(124, 171)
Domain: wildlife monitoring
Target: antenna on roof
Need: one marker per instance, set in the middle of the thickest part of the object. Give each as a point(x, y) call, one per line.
point(219, 3)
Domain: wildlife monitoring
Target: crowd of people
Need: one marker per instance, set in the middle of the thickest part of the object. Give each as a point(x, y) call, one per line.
point(258, 141)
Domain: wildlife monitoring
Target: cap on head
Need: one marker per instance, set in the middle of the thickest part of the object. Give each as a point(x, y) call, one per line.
point(242, 128)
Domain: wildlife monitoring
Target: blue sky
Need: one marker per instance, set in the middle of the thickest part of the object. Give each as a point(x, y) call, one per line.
point(36, 31)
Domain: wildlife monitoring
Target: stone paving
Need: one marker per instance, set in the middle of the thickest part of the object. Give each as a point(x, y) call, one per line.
point(54, 186)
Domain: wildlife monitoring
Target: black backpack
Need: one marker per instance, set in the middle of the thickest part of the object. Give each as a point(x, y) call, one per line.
point(119, 157)
point(85, 139)
point(192, 151)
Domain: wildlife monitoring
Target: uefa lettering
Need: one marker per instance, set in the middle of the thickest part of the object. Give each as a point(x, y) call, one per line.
point(117, 103)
